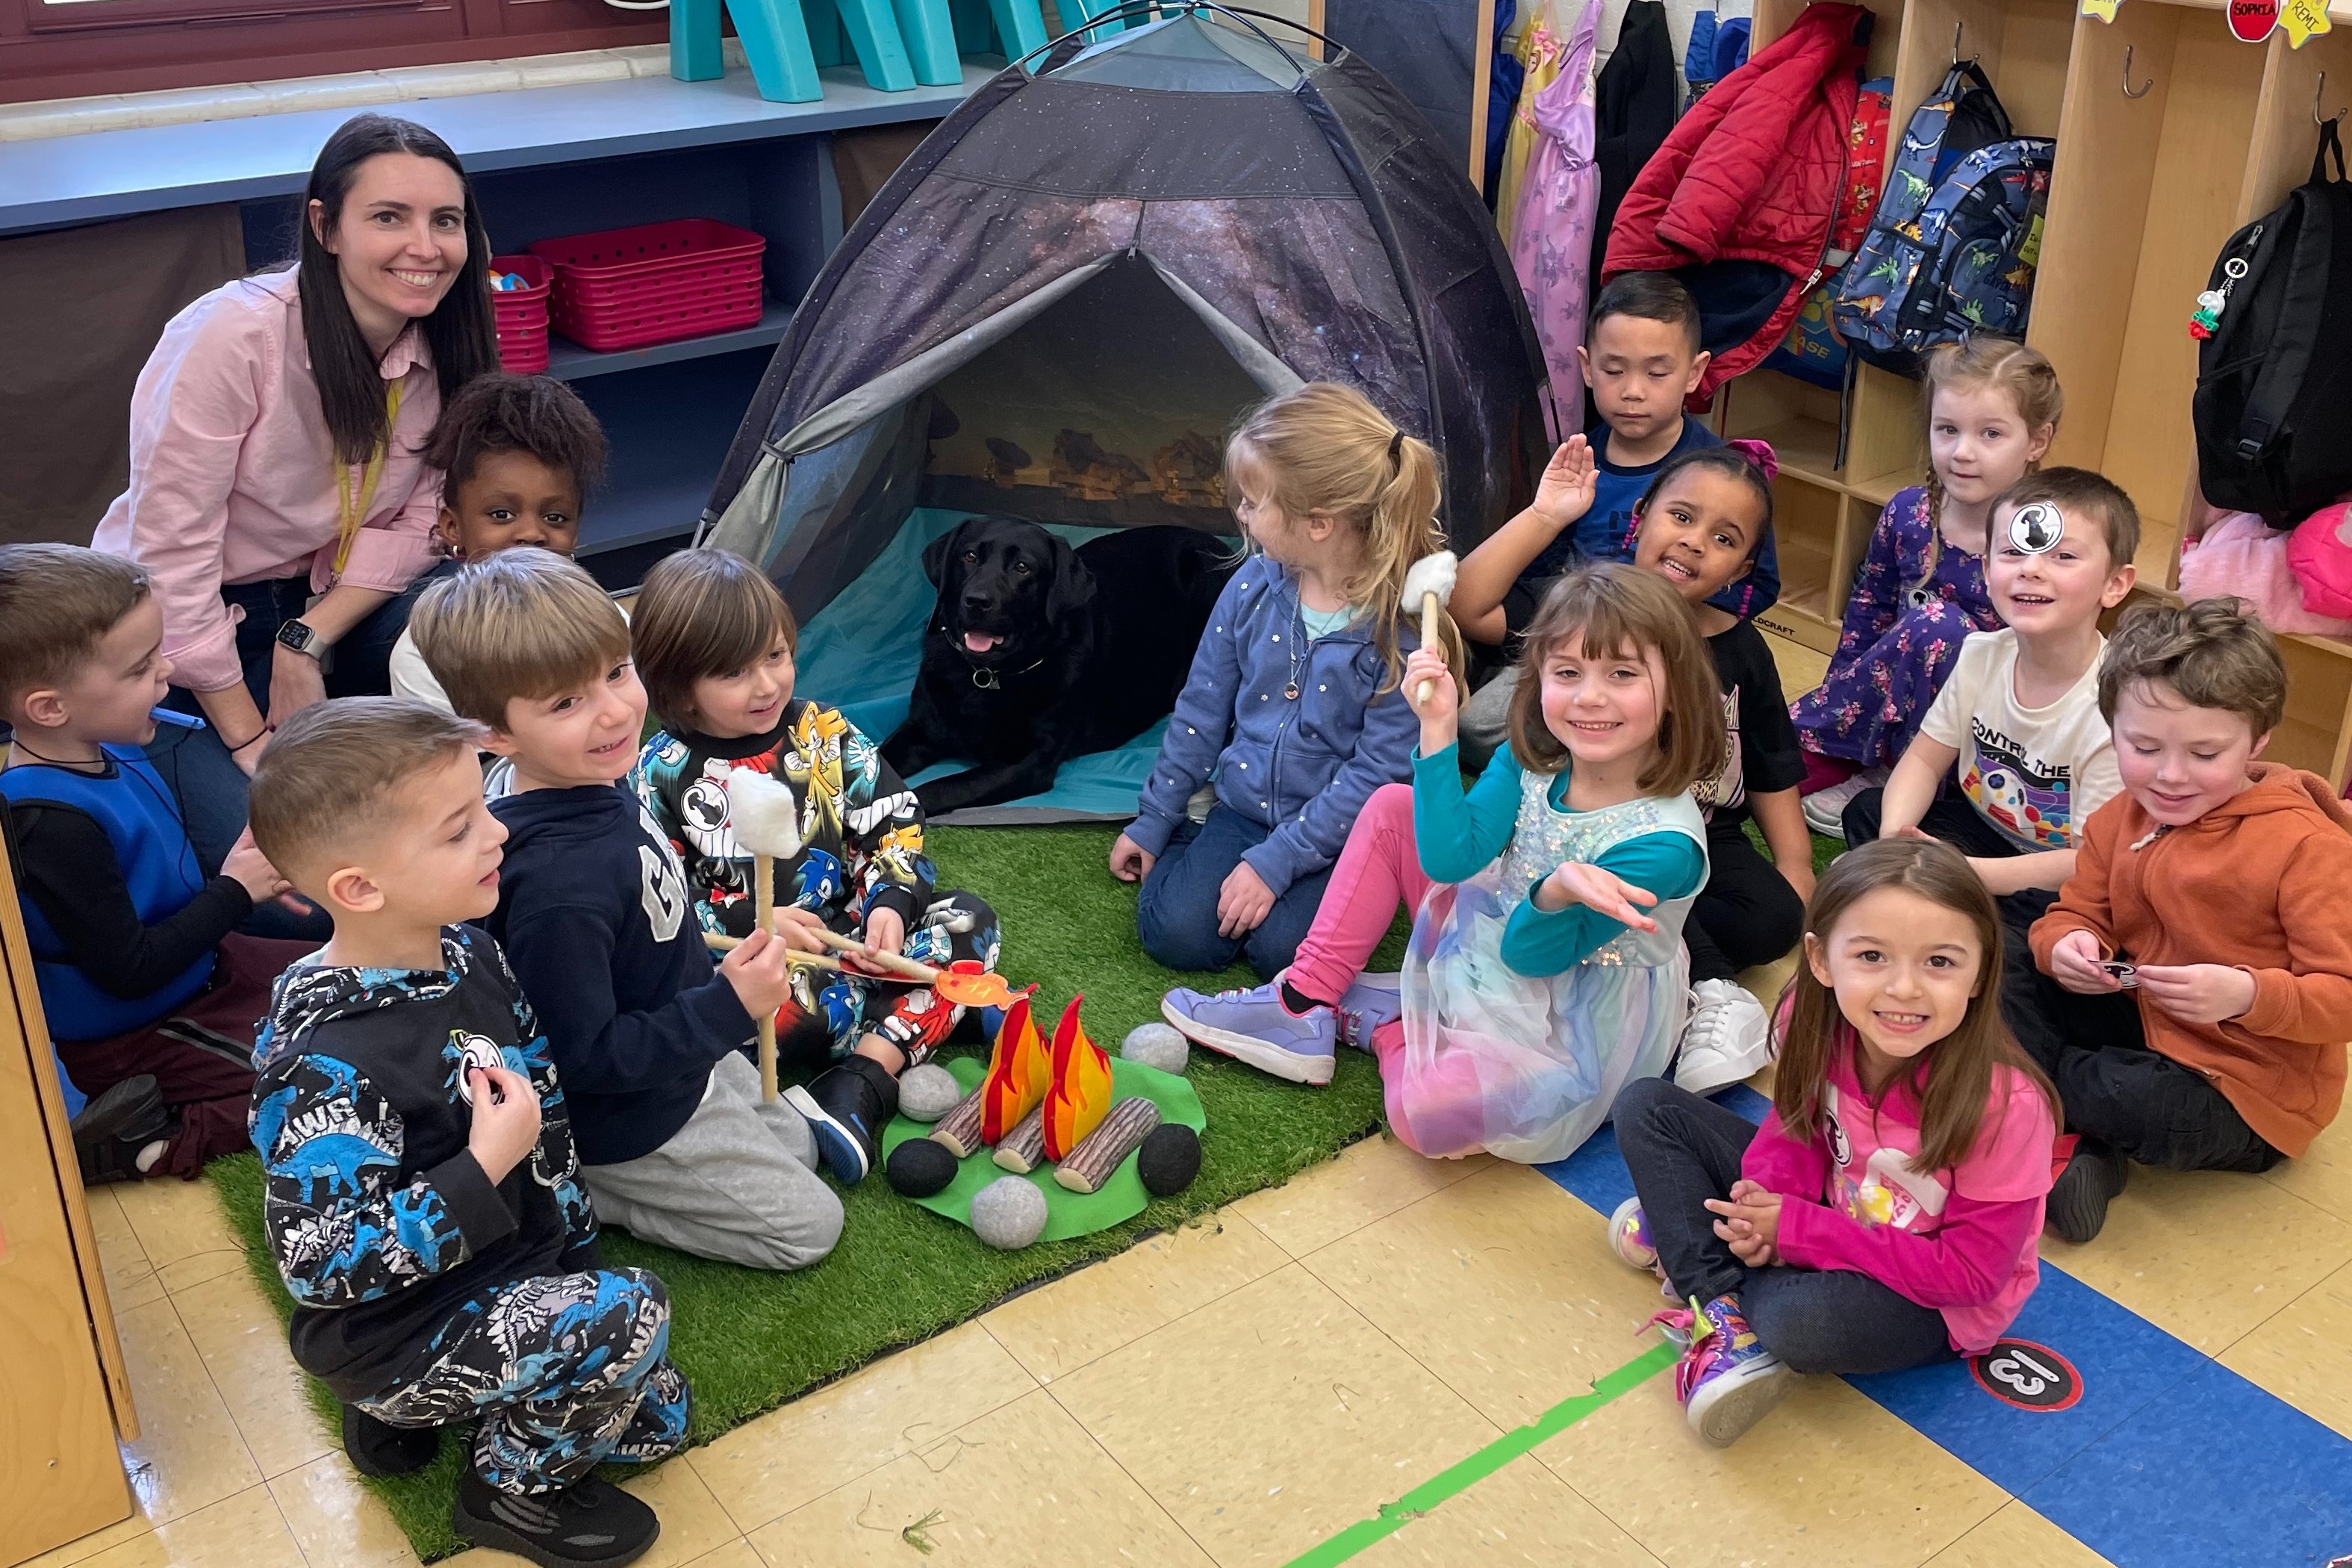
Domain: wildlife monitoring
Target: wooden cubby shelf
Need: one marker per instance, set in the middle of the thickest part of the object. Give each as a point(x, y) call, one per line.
point(2145, 191)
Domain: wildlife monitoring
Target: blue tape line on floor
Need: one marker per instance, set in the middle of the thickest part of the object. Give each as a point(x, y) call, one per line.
point(2168, 1460)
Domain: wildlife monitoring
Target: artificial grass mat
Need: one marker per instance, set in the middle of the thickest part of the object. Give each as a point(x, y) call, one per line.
point(750, 1342)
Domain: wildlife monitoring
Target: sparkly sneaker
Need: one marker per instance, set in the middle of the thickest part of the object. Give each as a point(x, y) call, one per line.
point(1373, 1000)
point(1726, 1380)
point(1825, 809)
point(1728, 1037)
point(1255, 1027)
point(1629, 1236)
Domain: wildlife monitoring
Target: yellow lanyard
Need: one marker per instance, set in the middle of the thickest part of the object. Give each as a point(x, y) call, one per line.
point(354, 493)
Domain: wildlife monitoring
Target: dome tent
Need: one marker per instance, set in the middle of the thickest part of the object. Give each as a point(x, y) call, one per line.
point(1063, 300)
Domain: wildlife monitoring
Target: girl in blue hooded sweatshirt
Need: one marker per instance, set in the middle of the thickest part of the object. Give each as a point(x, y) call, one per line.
point(1292, 708)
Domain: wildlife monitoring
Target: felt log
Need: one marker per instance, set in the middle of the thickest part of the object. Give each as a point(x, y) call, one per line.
point(959, 1130)
point(1023, 1149)
point(1428, 584)
point(766, 817)
point(1086, 1167)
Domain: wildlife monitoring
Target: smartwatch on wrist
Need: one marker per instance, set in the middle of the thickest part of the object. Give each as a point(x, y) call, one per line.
point(302, 637)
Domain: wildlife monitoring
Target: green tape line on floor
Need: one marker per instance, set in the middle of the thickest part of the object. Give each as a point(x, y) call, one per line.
point(1463, 1474)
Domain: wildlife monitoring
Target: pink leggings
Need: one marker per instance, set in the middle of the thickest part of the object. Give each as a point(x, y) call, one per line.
point(1378, 869)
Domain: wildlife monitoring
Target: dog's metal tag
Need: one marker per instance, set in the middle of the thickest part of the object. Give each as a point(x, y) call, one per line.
point(985, 680)
point(2035, 528)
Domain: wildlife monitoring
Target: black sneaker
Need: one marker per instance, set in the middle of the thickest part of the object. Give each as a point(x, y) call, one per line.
point(846, 1106)
point(379, 1449)
point(2079, 1198)
point(587, 1523)
point(113, 1128)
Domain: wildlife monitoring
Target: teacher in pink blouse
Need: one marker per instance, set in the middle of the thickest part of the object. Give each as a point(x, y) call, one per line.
point(279, 494)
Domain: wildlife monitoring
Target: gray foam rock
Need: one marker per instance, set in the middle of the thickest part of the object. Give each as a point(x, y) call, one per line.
point(1157, 1045)
point(927, 1092)
point(1009, 1213)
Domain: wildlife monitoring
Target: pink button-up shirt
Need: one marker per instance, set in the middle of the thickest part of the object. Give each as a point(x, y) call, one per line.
point(234, 478)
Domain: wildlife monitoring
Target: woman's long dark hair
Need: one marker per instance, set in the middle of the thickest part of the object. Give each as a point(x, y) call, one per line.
point(460, 332)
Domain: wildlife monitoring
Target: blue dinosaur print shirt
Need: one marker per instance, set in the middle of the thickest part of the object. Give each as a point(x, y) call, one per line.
point(381, 1222)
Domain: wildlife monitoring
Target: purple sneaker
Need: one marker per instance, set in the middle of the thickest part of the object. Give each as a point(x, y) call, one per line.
point(1373, 1000)
point(1254, 1026)
point(1727, 1380)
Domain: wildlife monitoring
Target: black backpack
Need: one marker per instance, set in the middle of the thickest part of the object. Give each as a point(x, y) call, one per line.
point(2273, 403)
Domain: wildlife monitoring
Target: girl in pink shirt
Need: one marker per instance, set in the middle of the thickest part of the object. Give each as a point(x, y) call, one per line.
point(279, 495)
point(1885, 1216)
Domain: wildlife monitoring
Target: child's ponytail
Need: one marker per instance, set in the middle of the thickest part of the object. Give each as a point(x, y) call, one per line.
point(1326, 448)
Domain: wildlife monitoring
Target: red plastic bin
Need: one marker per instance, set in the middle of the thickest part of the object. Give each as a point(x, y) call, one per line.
point(521, 313)
point(655, 283)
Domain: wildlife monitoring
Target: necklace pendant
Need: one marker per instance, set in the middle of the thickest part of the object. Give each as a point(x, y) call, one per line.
point(1290, 693)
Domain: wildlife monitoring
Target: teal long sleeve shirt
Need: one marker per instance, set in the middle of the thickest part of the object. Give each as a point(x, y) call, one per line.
point(1459, 833)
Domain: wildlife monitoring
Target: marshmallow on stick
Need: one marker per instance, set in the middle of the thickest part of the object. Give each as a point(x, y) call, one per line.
point(767, 822)
point(1428, 584)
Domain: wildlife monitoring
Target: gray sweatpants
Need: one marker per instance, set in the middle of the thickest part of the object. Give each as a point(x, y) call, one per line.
point(1485, 722)
point(736, 1182)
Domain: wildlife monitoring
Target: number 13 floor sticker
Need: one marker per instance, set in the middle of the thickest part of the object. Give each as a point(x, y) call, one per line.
point(2027, 1376)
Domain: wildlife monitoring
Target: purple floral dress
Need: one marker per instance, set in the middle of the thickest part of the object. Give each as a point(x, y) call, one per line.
point(1898, 641)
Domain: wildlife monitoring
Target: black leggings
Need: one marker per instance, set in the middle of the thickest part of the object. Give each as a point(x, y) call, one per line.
point(1682, 1151)
point(1746, 915)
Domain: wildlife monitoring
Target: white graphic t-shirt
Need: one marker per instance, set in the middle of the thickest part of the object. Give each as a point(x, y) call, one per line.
point(2035, 773)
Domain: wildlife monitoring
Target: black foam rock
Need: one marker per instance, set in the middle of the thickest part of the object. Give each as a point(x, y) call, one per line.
point(919, 1168)
point(1168, 1159)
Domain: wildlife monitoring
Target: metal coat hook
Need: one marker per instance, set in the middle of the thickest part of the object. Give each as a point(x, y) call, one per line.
point(2318, 88)
point(1957, 28)
point(2146, 86)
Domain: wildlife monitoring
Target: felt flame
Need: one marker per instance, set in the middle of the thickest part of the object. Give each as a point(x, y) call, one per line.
point(1019, 1072)
point(1081, 1092)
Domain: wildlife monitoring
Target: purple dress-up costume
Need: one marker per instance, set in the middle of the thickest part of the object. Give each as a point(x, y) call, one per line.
point(1559, 199)
point(1898, 641)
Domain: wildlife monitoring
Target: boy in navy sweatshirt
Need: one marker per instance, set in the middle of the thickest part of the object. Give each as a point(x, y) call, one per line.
point(423, 1199)
point(593, 911)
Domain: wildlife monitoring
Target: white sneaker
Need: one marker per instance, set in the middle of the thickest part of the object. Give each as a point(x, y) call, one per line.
point(1825, 809)
point(1728, 1037)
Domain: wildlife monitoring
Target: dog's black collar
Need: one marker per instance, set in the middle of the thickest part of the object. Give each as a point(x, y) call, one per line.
point(985, 679)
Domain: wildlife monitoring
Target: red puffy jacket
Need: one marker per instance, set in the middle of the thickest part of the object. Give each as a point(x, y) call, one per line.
point(1754, 172)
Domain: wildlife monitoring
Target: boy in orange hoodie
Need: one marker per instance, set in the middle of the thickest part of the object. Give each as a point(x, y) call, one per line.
point(2193, 992)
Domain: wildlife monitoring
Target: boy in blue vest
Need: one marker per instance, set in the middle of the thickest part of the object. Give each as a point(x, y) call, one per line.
point(151, 995)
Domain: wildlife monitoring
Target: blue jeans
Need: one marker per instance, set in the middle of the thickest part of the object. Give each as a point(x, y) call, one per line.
point(212, 791)
point(1176, 911)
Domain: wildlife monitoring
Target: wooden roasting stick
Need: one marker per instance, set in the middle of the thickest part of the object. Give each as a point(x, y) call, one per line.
point(1428, 584)
point(717, 944)
point(765, 815)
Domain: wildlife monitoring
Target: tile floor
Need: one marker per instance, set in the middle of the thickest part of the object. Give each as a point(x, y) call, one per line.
point(1239, 1392)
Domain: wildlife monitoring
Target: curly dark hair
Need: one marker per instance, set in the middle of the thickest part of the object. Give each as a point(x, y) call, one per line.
point(505, 413)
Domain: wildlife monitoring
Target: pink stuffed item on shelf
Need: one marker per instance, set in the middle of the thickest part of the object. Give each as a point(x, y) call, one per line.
point(2243, 557)
point(2319, 551)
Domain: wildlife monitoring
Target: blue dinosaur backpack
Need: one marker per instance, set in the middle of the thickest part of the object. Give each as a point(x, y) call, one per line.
point(1953, 246)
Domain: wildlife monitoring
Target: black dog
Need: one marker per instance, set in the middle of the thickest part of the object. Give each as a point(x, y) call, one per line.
point(1038, 653)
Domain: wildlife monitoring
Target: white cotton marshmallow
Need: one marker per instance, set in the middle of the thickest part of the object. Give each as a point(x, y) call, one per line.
point(766, 817)
point(1430, 575)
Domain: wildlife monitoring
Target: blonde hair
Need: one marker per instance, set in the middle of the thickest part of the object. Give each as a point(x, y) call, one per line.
point(2022, 374)
point(1953, 1078)
point(521, 623)
point(703, 613)
point(1326, 448)
point(1620, 611)
point(322, 785)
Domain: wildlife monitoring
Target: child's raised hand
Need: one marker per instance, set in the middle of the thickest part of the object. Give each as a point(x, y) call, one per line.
point(1442, 706)
point(1565, 492)
point(759, 971)
point(1129, 862)
point(1604, 892)
point(506, 1119)
point(2197, 993)
point(2075, 961)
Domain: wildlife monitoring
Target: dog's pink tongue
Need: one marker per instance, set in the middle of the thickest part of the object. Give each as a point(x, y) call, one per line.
point(980, 642)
